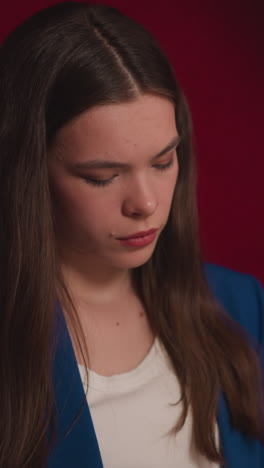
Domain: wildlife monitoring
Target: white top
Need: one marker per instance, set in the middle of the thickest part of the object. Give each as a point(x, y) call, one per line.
point(131, 414)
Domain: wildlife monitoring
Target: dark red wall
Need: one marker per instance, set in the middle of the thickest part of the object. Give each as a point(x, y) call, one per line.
point(216, 49)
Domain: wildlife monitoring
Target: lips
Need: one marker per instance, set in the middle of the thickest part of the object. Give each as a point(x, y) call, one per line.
point(139, 234)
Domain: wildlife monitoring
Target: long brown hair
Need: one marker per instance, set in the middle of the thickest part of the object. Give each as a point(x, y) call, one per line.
point(56, 64)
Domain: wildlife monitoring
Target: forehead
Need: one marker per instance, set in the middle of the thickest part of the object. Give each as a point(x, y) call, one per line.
point(145, 124)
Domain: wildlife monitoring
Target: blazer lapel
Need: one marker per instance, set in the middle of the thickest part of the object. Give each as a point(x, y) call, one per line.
point(240, 450)
point(78, 446)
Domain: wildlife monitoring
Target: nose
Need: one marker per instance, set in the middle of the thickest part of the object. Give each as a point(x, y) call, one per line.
point(140, 200)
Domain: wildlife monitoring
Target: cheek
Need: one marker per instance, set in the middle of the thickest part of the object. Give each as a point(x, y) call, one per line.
point(67, 199)
point(76, 206)
point(167, 187)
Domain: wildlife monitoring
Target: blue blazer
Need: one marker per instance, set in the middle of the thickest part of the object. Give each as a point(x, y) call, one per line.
point(242, 296)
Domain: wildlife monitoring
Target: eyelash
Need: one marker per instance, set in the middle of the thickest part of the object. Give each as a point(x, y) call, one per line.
point(160, 167)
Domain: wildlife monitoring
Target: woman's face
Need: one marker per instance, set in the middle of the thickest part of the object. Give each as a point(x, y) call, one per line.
point(94, 206)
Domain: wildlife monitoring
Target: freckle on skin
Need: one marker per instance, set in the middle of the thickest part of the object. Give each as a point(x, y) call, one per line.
point(117, 323)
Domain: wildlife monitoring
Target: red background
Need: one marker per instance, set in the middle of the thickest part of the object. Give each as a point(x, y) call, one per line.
point(216, 49)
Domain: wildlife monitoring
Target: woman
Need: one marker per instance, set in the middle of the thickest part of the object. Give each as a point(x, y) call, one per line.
point(115, 352)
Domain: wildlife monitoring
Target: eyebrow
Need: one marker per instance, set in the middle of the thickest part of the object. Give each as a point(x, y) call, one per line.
point(105, 164)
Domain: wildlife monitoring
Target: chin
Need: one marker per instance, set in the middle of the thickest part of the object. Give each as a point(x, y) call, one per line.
point(136, 259)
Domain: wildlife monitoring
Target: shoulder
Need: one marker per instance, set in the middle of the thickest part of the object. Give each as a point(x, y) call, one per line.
point(241, 295)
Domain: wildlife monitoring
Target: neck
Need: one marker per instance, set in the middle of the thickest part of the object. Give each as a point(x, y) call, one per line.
point(90, 283)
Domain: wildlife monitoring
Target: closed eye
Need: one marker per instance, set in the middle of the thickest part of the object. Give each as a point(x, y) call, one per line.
point(104, 182)
point(162, 167)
